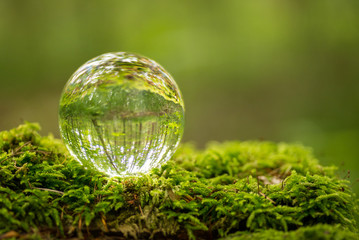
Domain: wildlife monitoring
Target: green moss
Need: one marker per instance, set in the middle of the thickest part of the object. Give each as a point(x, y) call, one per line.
point(319, 231)
point(233, 190)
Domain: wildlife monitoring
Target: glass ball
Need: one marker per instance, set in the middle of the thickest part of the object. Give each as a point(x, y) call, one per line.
point(121, 113)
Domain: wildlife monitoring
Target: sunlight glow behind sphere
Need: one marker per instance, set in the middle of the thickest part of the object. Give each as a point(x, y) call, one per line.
point(121, 113)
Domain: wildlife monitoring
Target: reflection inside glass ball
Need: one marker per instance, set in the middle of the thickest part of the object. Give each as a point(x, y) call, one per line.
point(121, 113)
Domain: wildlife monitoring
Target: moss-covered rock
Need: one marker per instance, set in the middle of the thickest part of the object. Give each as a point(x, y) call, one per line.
point(232, 190)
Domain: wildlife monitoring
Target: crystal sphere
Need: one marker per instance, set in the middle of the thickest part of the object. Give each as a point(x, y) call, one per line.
point(121, 113)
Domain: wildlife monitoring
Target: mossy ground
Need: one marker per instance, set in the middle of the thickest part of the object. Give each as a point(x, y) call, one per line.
point(232, 190)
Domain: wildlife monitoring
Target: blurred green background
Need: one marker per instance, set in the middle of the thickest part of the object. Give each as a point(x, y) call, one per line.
point(270, 70)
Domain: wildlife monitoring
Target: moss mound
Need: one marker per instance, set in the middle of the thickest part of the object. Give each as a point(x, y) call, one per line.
point(232, 190)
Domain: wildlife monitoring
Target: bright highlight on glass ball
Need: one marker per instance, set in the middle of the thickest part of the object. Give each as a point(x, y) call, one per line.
point(121, 113)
